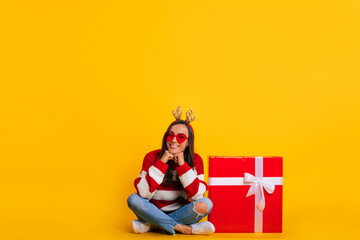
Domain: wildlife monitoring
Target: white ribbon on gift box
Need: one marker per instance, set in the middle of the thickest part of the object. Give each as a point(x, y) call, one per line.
point(258, 183)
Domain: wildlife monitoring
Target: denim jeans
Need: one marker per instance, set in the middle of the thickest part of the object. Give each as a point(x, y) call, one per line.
point(148, 212)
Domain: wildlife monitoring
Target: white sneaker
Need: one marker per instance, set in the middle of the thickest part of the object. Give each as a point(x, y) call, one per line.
point(140, 227)
point(203, 228)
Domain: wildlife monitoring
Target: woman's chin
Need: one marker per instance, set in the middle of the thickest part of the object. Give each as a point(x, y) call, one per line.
point(173, 151)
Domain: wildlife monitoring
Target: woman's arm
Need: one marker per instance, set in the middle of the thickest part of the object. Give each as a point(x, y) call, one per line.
point(193, 180)
point(151, 175)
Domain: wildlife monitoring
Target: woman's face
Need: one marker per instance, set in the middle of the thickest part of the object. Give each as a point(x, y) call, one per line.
point(174, 146)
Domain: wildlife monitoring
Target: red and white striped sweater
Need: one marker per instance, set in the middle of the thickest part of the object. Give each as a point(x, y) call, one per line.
point(170, 197)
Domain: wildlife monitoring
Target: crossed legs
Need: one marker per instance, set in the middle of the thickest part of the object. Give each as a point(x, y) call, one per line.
point(178, 220)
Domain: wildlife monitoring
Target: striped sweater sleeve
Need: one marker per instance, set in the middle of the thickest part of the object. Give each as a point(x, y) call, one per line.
point(150, 177)
point(193, 180)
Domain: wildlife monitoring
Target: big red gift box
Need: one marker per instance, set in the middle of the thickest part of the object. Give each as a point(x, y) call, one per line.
point(246, 193)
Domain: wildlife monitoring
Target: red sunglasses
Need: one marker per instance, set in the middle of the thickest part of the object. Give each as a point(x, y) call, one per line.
point(180, 137)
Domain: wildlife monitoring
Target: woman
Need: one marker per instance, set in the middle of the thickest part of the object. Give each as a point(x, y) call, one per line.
point(171, 186)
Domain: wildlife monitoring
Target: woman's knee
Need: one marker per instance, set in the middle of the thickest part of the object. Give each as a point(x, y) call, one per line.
point(133, 200)
point(203, 206)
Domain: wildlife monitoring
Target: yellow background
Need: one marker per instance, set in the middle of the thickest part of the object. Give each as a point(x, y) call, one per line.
point(87, 89)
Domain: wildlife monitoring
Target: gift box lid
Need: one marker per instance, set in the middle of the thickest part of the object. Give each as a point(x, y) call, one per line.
point(235, 166)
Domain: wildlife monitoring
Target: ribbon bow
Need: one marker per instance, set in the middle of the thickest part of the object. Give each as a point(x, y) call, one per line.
point(258, 184)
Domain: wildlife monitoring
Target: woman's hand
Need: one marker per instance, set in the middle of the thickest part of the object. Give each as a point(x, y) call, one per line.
point(179, 158)
point(167, 156)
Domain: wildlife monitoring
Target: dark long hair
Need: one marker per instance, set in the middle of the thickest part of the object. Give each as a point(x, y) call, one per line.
point(188, 153)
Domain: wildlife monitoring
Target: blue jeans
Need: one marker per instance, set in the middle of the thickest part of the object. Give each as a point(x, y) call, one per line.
point(148, 212)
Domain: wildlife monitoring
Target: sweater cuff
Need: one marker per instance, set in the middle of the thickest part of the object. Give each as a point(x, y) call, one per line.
point(161, 165)
point(183, 169)
point(186, 174)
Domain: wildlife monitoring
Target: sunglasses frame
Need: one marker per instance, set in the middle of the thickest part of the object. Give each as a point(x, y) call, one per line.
point(179, 140)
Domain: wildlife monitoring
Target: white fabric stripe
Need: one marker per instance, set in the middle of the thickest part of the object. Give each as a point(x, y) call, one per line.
point(142, 174)
point(187, 178)
point(156, 174)
point(166, 195)
point(171, 207)
point(258, 222)
point(144, 189)
point(200, 193)
point(235, 181)
point(201, 177)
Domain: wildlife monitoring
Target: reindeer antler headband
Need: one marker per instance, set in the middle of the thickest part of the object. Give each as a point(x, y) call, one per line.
point(190, 117)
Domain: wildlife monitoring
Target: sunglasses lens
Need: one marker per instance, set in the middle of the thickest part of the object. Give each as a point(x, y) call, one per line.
point(170, 137)
point(181, 138)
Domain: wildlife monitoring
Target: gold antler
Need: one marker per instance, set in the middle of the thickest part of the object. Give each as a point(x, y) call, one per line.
point(178, 113)
point(189, 116)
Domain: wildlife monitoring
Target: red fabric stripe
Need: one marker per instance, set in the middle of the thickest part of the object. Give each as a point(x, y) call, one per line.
point(136, 182)
point(193, 188)
point(204, 184)
point(183, 169)
point(161, 166)
point(153, 185)
point(162, 203)
point(150, 159)
point(198, 164)
point(176, 185)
